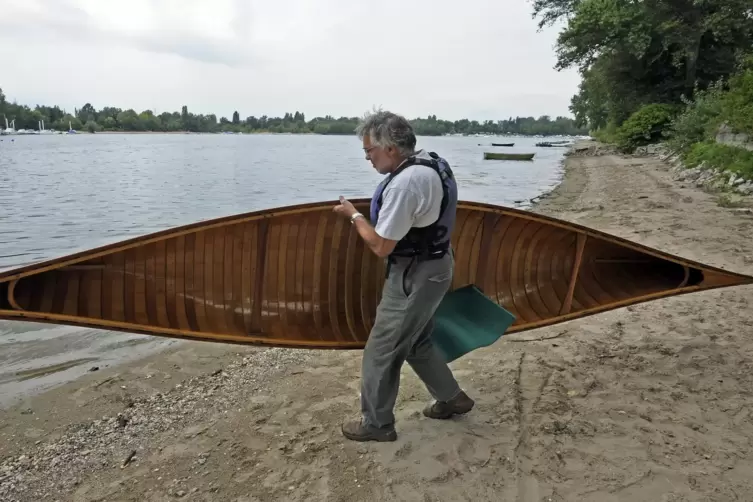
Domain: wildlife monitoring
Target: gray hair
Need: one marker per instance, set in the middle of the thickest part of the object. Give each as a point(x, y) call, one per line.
point(388, 129)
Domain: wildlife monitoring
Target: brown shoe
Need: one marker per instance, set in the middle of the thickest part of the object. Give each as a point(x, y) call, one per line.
point(356, 431)
point(458, 405)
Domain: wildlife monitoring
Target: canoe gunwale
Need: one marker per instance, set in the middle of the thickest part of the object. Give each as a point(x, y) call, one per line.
point(96, 252)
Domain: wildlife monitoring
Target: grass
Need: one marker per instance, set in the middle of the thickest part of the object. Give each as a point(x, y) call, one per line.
point(724, 157)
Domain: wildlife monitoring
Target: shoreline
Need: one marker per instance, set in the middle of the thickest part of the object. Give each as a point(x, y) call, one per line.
point(575, 138)
point(640, 402)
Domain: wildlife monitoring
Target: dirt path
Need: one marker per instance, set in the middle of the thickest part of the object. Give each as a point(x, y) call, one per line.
point(652, 402)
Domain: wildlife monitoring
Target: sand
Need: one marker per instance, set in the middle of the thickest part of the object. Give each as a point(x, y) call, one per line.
point(652, 402)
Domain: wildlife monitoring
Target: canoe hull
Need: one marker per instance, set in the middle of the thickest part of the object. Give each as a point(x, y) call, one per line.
point(301, 276)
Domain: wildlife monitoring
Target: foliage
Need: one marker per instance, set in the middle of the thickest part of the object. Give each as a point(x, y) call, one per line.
point(737, 102)
point(715, 155)
point(606, 134)
point(644, 126)
point(729, 103)
point(699, 120)
point(631, 53)
point(114, 119)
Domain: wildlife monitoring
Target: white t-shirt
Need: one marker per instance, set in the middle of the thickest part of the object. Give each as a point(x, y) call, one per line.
point(412, 199)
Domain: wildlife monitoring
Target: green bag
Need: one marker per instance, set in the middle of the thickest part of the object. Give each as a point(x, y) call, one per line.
point(465, 320)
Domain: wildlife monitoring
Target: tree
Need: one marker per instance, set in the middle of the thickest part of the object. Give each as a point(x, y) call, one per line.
point(236, 118)
point(632, 53)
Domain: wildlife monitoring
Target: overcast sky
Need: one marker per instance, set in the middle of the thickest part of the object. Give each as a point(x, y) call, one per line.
point(481, 59)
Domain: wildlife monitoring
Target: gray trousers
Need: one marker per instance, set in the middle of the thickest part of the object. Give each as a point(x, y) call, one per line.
point(402, 332)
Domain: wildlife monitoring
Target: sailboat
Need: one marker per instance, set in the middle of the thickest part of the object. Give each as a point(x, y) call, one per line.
point(9, 129)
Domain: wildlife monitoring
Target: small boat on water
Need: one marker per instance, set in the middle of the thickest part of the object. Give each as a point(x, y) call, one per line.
point(503, 144)
point(508, 156)
point(300, 276)
point(553, 144)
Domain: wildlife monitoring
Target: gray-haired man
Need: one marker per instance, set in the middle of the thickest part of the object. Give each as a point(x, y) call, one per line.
point(414, 212)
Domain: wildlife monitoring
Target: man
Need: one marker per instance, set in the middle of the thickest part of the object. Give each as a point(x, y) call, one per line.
point(414, 211)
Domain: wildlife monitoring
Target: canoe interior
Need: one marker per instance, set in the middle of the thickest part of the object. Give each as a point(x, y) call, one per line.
point(301, 277)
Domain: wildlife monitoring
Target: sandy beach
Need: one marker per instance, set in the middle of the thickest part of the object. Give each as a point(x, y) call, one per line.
point(645, 403)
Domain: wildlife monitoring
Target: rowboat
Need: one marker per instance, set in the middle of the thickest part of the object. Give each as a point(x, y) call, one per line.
point(508, 156)
point(300, 276)
point(503, 144)
point(553, 144)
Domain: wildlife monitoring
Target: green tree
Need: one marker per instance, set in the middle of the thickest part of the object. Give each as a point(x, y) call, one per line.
point(635, 53)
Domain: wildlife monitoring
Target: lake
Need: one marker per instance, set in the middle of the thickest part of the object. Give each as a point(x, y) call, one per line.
point(64, 193)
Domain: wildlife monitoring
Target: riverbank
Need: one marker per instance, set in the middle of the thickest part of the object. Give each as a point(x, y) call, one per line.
point(652, 402)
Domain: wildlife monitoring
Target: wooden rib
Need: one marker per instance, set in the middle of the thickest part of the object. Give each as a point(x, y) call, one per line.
point(139, 286)
point(70, 301)
point(350, 260)
point(581, 244)
point(12, 296)
point(167, 285)
point(282, 257)
point(332, 292)
point(248, 275)
point(543, 275)
point(270, 308)
point(218, 304)
point(259, 266)
point(179, 273)
point(530, 274)
point(238, 273)
point(299, 276)
point(191, 288)
point(365, 290)
point(228, 281)
point(150, 284)
point(47, 292)
point(686, 277)
point(475, 250)
point(505, 266)
point(316, 290)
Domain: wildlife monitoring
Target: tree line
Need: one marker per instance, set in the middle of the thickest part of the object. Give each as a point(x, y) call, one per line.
point(88, 118)
point(658, 70)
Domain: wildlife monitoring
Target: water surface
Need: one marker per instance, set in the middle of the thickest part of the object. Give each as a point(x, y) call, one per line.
point(65, 193)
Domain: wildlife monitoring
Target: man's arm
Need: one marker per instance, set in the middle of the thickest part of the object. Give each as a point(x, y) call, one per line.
point(395, 220)
point(379, 245)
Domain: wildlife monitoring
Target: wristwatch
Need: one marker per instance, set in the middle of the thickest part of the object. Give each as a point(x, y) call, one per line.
point(355, 215)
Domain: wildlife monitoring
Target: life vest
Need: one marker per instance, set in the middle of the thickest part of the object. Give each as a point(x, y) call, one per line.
point(433, 241)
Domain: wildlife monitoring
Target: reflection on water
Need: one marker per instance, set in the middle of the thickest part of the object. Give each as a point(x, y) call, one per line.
point(66, 193)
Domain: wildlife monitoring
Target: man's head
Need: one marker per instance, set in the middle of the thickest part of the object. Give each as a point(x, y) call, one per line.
point(387, 140)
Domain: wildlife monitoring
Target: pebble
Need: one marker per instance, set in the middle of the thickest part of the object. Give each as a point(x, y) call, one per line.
point(84, 448)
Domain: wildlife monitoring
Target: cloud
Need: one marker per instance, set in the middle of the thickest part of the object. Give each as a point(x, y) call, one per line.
point(482, 59)
point(123, 23)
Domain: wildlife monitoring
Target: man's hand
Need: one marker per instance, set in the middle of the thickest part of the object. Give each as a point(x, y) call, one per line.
point(379, 245)
point(345, 208)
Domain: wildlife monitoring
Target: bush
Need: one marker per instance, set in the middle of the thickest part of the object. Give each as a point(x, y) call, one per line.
point(737, 102)
point(715, 155)
point(606, 134)
point(699, 121)
point(645, 126)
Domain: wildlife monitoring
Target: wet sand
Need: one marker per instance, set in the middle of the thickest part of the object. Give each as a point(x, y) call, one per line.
point(652, 402)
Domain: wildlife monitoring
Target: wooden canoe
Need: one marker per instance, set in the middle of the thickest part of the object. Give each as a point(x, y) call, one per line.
point(508, 156)
point(503, 144)
point(300, 276)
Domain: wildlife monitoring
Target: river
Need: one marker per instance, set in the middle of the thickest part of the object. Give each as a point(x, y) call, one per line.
point(64, 193)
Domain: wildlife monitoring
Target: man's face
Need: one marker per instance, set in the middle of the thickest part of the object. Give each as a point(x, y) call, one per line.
point(381, 158)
